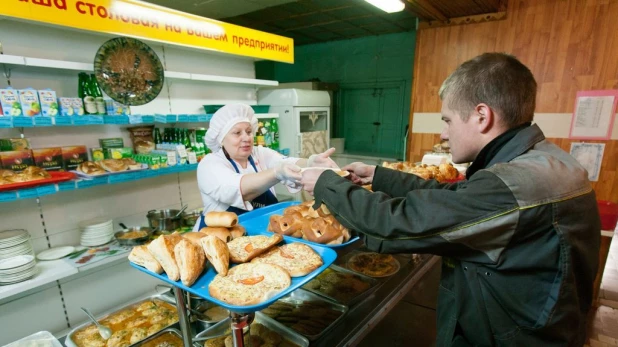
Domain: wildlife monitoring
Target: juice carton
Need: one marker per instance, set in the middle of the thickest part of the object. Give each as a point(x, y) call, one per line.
point(16, 160)
point(78, 106)
point(30, 104)
point(49, 159)
point(66, 106)
point(49, 104)
point(9, 100)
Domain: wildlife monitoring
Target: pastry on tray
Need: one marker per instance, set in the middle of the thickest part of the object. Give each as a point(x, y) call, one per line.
point(296, 258)
point(245, 248)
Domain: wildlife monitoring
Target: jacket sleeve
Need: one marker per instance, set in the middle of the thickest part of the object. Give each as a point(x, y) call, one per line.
point(397, 184)
point(473, 222)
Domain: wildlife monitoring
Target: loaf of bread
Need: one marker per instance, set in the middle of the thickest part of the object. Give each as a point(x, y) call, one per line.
point(217, 253)
point(249, 284)
point(194, 237)
point(142, 257)
point(221, 219)
point(191, 261)
point(220, 232)
point(162, 249)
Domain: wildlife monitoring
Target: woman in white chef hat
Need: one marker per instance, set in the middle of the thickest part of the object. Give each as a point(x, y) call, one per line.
point(239, 177)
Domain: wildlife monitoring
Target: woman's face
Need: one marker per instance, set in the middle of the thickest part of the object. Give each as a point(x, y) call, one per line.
point(239, 141)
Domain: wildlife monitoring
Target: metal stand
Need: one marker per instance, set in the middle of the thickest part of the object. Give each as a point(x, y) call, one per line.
point(183, 317)
point(239, 322)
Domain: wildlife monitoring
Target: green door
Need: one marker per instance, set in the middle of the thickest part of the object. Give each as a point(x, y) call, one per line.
point(372, 119)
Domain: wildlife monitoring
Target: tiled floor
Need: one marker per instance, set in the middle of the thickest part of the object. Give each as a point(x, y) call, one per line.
point(413, 320)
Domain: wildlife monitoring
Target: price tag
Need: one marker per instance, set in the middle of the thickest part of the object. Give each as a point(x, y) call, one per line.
point(23, 122)
point(64, 120)
point(194, 118)
point(43, 121)
point(6, 122)
point(46, 190)
point(183, 117)
point(135, 119)
point(28, 193)
point(95, 120)
point(8, 196)
point(64, 186)
point(148, 119)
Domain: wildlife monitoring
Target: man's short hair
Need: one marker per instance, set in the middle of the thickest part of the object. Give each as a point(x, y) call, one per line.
point(496, 79)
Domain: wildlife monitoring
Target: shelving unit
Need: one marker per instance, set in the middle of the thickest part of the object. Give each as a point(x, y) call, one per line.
point(49, 189)
point(77, 66)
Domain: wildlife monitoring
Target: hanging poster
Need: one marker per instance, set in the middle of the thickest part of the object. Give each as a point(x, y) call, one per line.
point(590, 156)
point(593, 115)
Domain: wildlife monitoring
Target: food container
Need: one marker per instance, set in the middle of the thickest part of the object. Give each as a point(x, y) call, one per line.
point(168, 337)
point(306, 313)
point(342, 285)
point(212, 314)
point(70, 340)
point(133, 236)
point(222, 329)
point(190, 218)
point(164, 221)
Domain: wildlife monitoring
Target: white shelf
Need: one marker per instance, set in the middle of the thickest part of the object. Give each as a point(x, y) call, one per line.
point(48, 271)
point(77, 66)
point(266, 115)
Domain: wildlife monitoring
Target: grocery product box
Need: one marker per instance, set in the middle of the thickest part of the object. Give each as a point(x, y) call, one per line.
point(49, 159)
point(49, 103)
point(118, 153)
point(71, 107)
point(16, 160)
point(115, 108)
point(78, 106)
point(96, 153)
point(29, 99)
point(14, 144)
point(72, 156)
point(9, 101)
point(112, 142)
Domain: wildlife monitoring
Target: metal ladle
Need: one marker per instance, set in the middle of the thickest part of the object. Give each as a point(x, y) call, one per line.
point(181, 211)
point(104, 331)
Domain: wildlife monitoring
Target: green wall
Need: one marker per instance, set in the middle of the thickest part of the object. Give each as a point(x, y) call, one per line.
point(371, 59)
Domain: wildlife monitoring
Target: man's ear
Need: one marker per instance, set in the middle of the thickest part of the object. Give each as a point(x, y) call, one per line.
point(485, 117)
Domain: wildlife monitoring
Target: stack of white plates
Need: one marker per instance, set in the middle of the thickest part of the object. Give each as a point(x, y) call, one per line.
point(17, 269)
point(96, 232)
point(14, 243)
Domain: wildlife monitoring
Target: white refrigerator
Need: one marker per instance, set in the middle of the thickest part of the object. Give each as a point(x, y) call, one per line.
point(304, 124)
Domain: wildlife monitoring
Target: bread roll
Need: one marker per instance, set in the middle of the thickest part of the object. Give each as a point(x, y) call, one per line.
point(194, 237)
point(162, 249)
point(220, 232)
point(191, 261)
point(217, 253)
point(237, 231)
point(221, 219)
point(322, 232)
point(141, 256)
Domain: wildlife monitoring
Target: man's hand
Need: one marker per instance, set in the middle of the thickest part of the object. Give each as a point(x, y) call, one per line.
point(360, 173)
point(310, 177)
point(322, 159)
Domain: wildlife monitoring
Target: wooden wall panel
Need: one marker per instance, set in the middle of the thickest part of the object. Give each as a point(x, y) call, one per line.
point(569, 45)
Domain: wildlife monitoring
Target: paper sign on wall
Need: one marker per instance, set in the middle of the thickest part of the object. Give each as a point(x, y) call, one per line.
point(593, 115)
point(590, 156)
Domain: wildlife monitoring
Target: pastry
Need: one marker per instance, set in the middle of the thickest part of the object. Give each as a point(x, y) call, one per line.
point(91, 168)
point(142, 257)
point(245, 248)
point(113, 165)
point(191, 261)
point(289, 224)
point(220, 232)
point(162, 249)
point(296, 258)
point(322, 232)
point(217, 253)
point(237, 231)
point(221, 219)
point(249, 284)
point(194, 237)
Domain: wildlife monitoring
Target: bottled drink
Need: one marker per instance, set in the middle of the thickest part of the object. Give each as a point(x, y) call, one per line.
point(274, 129)
point(157, 138)
point(84, 93)
point(98, 95)
point(260, 134)
point(185, 139)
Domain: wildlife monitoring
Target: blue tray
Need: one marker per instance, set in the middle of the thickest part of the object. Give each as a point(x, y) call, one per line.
point(260, 218)
point(200, 287)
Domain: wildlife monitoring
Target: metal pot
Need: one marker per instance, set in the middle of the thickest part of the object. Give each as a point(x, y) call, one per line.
point(164, 220)
point(190, 218)
point(126, 236)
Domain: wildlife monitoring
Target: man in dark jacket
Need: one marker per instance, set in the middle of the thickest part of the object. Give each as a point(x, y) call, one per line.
point(519, 238)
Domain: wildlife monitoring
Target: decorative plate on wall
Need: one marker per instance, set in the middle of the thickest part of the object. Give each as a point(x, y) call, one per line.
point(129, 71)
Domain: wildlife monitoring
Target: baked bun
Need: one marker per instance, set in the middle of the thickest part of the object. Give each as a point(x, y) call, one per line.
point(132, 164)
point(113, 165)
point(220, 232)
point(194, 237)
point(162, 249)
point(245, 248)
point(217, 253)
point(296, 258)
point(141, 256)
point(221, 219)
point(191, 261)
point(237, 231)
point(290, 224)
point(91, 168)
point(249, 284)
point(322, 232)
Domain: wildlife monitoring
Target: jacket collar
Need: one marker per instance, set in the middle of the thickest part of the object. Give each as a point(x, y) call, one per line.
point(506, 147)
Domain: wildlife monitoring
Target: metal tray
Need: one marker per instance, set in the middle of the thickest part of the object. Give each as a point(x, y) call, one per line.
point(301, 296)
point(373, 285)
point(223, 328)
point(69, 339)
point(260, 218)
point(173, 331)
point(200, 287)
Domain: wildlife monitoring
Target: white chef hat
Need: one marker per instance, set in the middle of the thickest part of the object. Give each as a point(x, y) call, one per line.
point(224, 119)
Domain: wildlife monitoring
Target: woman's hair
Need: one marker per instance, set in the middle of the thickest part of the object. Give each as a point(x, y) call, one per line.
point(496, 79)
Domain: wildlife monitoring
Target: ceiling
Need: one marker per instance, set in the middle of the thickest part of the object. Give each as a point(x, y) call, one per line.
point(314, 21)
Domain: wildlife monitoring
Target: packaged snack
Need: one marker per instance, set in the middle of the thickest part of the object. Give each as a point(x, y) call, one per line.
point(97, 154)
point(72, 156)
point(14, 144)
point(9, 100)
point(143, 141)
point(16, 160)
point(30, 104)
point(118, 153)
point(115, 108)
point(49, 159)
point(49, 103)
